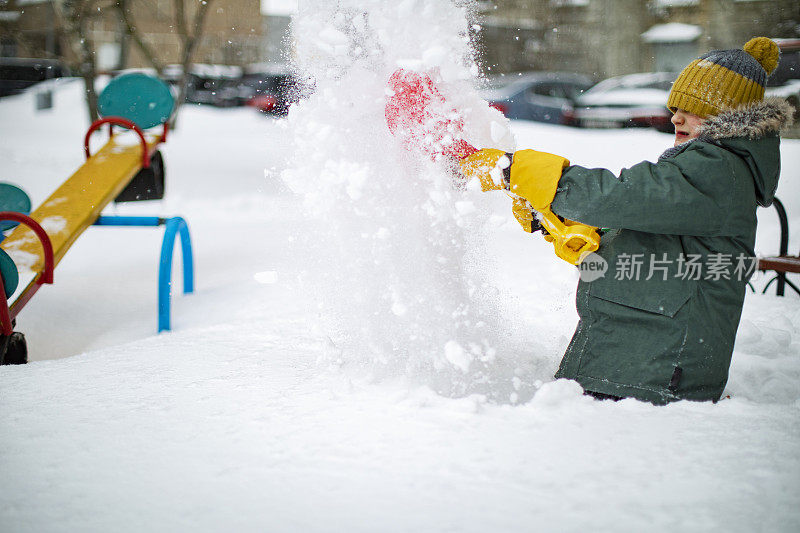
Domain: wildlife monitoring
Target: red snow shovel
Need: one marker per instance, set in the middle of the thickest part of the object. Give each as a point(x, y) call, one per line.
point(418, 113)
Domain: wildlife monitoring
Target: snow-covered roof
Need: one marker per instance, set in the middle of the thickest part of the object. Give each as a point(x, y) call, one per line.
point(675, 3)
point(569, 2)
point(674, 32)
point(216, 71)
point(282, 8)
point(205, 70)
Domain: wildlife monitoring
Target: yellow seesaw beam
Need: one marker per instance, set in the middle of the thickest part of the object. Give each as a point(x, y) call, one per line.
point(73, 207)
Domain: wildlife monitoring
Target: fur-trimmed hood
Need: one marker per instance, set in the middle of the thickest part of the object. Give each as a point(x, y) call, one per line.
point(752, 132)
point(753, 121)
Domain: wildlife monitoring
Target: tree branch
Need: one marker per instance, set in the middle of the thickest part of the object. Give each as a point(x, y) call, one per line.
point(180, 19)
point(74, 16)
point(190, 41)
point(133, 32)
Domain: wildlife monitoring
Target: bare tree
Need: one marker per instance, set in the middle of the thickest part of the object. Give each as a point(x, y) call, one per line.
point(189, 30)
point(126, 15)
point(75, 17)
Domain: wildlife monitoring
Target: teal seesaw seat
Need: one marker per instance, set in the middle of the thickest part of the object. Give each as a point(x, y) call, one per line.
point(14, 199)
point(144, 100)
point(8, 270)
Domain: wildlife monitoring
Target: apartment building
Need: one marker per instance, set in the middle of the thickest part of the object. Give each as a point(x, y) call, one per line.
point(233, 32)
point(612, 37)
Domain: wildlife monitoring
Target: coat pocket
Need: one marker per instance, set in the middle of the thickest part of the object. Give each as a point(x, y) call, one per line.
point(662, 304)
point(639, 278)
point(656, 296)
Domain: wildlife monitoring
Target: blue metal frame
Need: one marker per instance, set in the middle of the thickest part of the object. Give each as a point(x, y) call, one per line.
point(129, 221)
point(174, 226)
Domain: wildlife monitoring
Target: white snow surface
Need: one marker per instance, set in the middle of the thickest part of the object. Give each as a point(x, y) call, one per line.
point(306, 387)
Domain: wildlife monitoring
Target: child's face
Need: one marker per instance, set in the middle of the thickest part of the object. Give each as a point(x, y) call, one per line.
point(687, 126)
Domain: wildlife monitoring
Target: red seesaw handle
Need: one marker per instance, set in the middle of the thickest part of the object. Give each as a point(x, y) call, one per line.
point(6, 316)
point(120, 122)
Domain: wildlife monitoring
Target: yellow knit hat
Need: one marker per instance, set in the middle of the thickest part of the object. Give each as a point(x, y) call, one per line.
point(725, 78)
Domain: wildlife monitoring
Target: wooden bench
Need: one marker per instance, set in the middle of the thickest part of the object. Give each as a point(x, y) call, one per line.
point(782, 263)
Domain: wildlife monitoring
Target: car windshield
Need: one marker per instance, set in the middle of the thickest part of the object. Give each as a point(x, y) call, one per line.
point(500, 82)
point(499, 87)
point(573, 91)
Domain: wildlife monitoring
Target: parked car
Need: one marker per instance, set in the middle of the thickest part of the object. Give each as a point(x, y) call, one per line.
point(785, 79)
point(271, 88)
point(215, 85)
point(539, 96)
point(17, 74)
point(635, 100)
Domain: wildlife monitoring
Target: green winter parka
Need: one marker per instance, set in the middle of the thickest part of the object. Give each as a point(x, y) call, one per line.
point(660, 325)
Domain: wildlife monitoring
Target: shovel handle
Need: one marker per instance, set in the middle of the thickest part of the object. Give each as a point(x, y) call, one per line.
point(572, 240)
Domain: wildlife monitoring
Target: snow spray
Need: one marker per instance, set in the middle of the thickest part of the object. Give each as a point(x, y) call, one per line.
point(396, 260)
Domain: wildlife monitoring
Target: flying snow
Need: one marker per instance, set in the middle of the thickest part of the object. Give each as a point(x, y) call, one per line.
point(398, 259)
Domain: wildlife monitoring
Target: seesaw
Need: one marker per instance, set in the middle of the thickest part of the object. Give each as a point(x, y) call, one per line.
point(120, 171)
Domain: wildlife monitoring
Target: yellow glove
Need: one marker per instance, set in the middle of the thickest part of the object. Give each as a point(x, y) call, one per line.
point(532, 180)
point(524, 215)
point(535, 175)
point(488, 165)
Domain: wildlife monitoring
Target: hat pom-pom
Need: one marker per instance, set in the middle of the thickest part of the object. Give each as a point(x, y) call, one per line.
point(765, 51)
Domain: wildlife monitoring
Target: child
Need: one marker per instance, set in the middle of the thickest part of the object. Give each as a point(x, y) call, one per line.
point(660, 324)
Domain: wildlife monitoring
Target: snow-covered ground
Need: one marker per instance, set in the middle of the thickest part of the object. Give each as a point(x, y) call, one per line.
point(231, 421)
point(255, 413)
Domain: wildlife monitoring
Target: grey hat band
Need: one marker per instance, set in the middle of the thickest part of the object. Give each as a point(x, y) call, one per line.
point(738, 61)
